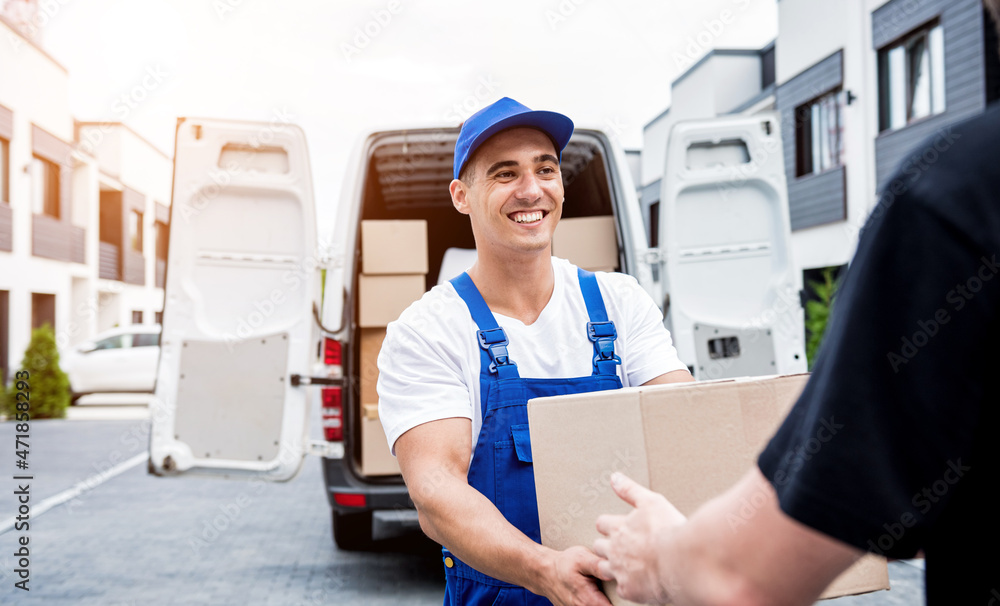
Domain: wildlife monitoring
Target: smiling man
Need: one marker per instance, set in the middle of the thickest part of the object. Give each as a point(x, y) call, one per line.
point(458, 367)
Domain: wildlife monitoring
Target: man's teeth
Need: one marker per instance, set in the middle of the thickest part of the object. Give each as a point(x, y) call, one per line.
point(528, 217)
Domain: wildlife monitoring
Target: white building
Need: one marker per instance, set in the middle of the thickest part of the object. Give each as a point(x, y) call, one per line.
point(724, 81)
point(858, 84)
point(83, 210)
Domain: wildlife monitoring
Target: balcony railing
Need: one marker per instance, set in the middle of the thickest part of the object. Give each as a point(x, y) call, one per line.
point(55, 239)
point(6, 227)
point(135, 267)
point(109, 267)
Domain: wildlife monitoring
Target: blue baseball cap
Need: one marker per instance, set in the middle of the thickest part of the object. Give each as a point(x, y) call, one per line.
point(501, 115)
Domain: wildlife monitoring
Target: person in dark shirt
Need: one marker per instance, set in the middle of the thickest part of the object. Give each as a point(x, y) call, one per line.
point(906, 380)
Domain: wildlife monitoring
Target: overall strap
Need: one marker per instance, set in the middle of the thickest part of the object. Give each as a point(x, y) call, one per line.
point(492, 338)
point(600, 330)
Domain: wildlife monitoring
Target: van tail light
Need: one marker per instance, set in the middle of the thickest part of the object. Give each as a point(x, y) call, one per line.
point(333, 413)
point(332, 352)
point(349, 499)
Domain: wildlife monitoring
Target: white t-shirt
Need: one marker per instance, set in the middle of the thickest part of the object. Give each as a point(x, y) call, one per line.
point(429, 363)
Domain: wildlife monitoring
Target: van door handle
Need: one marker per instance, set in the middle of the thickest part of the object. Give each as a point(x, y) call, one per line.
point(298, 380)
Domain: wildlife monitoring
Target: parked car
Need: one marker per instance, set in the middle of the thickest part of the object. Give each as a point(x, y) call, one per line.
point(252, 323)
point(116, 360)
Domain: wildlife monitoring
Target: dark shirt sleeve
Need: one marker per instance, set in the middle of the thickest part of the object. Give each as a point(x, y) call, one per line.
point(884, 427)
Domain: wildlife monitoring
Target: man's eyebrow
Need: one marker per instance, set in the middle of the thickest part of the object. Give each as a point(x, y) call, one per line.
point(498, 165)
point(506, 163)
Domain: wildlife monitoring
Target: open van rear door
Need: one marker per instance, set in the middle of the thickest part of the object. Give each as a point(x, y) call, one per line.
point(238, 326)
point(734, 308)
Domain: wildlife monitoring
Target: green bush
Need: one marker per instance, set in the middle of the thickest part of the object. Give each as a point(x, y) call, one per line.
point(48, 384)
point(818, 313)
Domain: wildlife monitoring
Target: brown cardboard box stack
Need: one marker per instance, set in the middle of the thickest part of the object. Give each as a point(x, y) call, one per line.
point(587, 242)
point(393, 275)
point(689, 441)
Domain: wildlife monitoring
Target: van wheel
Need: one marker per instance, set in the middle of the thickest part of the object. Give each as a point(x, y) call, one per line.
point(352, 531)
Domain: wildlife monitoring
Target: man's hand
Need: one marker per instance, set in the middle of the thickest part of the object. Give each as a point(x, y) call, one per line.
point(658, 556)
point(633, 544)
point(570, 579)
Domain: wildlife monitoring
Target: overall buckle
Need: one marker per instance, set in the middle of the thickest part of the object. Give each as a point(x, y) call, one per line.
point(494, 341)
point(603, 335)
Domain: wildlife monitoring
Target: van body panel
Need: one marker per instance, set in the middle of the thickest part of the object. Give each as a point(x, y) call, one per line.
point(239, 294)
point(734, 293)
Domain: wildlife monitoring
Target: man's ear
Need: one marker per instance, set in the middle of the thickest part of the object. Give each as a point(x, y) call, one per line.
point(459, 196)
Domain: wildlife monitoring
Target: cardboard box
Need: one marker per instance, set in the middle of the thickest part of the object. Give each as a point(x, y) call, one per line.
point(376, 458)
point(690, 442)
point(382, 298)
point(588, 242)
point(393, 247)
point(371, 344)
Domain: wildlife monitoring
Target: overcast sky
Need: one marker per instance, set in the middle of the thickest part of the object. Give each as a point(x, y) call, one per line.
point(340, 68)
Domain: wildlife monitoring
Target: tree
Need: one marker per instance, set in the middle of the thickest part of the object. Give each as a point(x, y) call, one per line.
point(818, 313)
point(48, 393)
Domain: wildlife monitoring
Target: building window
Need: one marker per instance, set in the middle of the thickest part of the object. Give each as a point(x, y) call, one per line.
point(5, 171)
point(911, 78)
point(819, 134)
point(162, 238)
point(136, 317)
point(135, 230)
point(43, 310)
point(44, 187)
point(158, 317)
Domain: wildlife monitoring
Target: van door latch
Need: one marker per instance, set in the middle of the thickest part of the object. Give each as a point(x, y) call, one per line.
point(653, 256)
point(322, 448)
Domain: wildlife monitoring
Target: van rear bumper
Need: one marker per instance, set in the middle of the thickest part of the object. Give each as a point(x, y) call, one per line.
point(387, 493)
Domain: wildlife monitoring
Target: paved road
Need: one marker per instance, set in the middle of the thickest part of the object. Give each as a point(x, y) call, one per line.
point(139, 539)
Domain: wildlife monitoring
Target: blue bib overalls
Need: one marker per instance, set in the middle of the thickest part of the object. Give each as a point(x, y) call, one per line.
point(501, 463)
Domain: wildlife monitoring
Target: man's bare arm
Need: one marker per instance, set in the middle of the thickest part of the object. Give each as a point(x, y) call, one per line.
point(720, 555)
point(434, 459)
point(674, 376)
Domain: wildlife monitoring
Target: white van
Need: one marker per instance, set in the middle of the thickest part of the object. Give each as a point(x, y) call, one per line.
point(251, 333)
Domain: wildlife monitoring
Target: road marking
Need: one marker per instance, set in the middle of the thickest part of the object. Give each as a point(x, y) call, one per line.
point(79, 488)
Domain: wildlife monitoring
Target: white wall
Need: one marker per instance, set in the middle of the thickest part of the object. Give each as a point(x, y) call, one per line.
point(654, 148)
point(103, 142)
point(808, 32)
point(33, 85)
point(145, 168)
point(737, 78)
